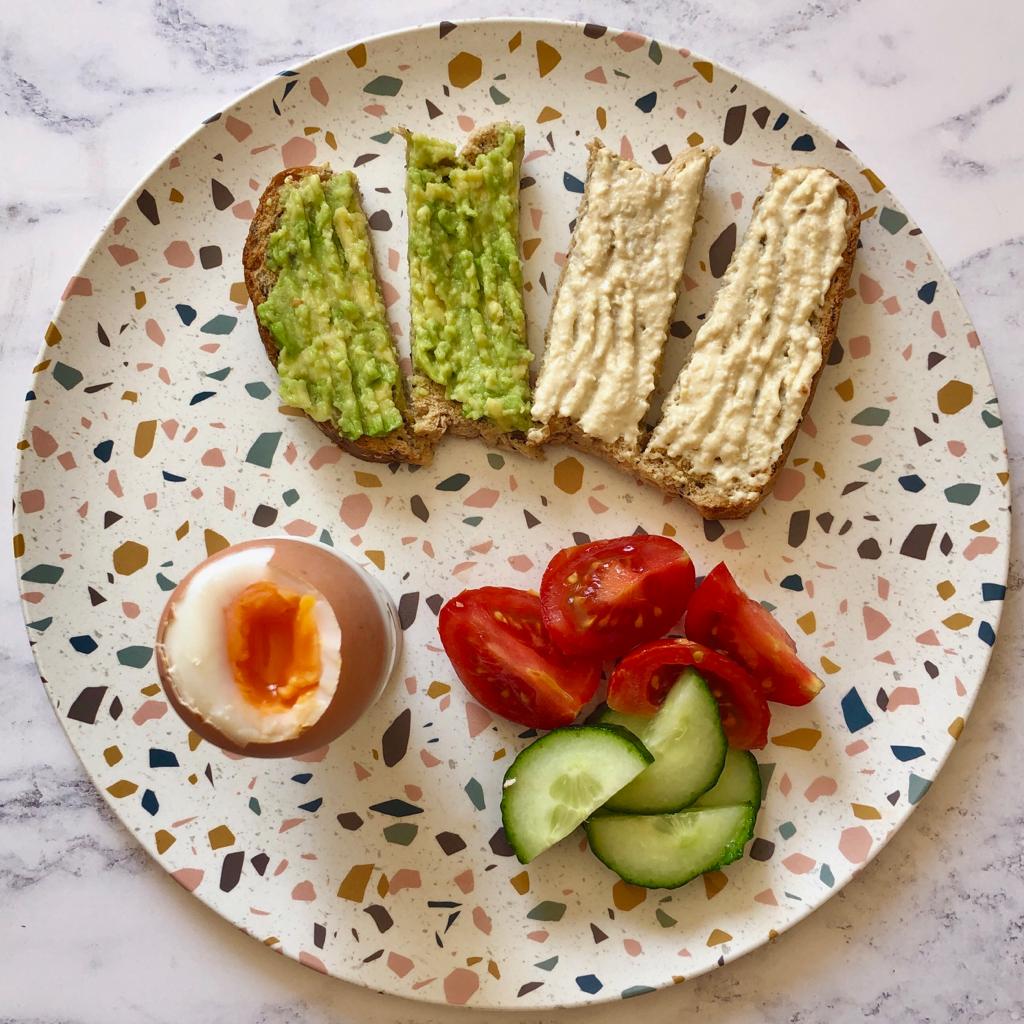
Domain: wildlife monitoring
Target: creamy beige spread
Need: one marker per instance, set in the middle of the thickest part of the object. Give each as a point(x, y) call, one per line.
point(755, 357)
point(611, 315)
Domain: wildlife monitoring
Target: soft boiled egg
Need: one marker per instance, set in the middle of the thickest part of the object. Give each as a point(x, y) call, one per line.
point(272, 648)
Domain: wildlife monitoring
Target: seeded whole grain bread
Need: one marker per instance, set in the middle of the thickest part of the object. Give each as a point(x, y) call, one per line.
point(402, 445)
point(561, 429)
point(672, 475)
point(433, 411)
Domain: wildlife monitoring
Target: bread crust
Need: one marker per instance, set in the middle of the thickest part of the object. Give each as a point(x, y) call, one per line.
point(663, 471)
point(434, 413)
point(402, 445)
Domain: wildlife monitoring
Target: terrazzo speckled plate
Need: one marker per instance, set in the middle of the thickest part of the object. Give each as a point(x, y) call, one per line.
point(153, 436)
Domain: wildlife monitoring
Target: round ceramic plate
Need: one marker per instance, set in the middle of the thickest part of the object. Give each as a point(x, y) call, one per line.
point(154, 436)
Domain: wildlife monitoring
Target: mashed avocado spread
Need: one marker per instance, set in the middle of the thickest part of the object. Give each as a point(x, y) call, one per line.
point(326, 313)
point(469, 331)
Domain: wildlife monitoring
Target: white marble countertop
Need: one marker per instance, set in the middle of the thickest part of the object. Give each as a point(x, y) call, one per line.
point(931, 93)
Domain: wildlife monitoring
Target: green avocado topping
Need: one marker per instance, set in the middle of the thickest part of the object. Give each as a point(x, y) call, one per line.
point(466, 296)
point(325, 311)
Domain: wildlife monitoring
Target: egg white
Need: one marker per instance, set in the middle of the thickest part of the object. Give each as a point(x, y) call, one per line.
point(196, 651)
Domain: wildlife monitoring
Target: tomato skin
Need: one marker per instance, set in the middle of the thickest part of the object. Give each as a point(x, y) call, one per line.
point(603, 598)
point(721, 616)
point(500, 650)
point(642, 679)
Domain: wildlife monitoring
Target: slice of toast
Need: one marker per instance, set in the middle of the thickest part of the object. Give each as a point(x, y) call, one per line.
point(614, 300)
point(434, 412)
point(402, 445)
point(728, 427)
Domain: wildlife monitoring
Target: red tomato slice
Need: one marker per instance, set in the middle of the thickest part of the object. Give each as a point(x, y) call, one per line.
point(642, 679)
point(497, 643)
point(721, 616)
point(603, 598)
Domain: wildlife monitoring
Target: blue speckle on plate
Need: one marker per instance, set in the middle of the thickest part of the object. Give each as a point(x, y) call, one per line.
point(917, 788)
point(647, 102)
point(902, 753)
point(475, 792)
point(572, 183)
point(137, 656)
point(220, 324)
point(396, 808)
point(855, 713)
point(636, 990)
point(162, 758)
point(66, 376)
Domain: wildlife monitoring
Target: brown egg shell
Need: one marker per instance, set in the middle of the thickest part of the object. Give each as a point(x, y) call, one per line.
point(369, 644)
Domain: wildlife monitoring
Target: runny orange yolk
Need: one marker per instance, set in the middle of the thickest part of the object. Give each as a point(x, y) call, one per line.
point(273, 645)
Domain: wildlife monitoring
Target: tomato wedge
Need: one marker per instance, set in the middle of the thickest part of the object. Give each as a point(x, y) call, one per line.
point(603, 598)
point(721, 616)
point(499, 648)
point(642, 679)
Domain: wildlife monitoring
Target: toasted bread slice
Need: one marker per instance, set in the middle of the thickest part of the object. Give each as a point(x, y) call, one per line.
point(614, 300)
point(434, 412)
point(728, 427)
point(401, 445)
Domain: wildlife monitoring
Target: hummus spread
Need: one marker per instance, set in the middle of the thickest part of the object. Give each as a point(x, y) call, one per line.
point(756, 356)
point(611, 314)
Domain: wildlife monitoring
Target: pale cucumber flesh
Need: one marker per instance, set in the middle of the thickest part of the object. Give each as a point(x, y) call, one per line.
point(685, 736)
point(561, 779)
point(664, 851)
point(739, 783)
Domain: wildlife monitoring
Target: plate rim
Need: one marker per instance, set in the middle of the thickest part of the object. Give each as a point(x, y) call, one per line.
point(21, 473)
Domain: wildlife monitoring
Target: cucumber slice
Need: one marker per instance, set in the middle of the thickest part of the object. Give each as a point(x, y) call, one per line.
point(688, 745)
point(739, 783)
point(664, 851)
point(562, 778)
